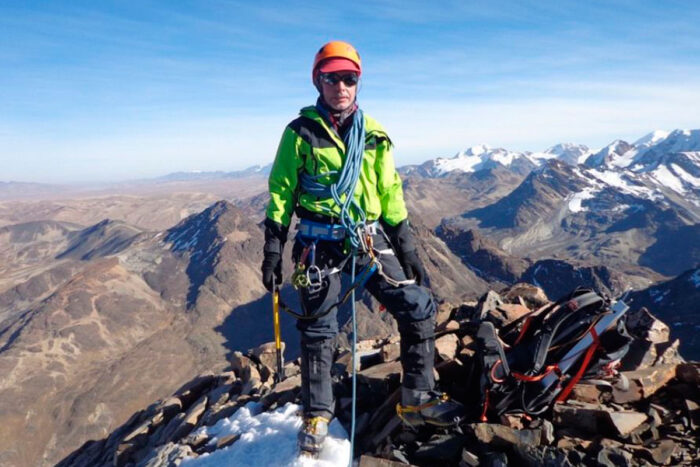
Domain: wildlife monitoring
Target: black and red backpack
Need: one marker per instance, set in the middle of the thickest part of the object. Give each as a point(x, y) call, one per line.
point(536, 360)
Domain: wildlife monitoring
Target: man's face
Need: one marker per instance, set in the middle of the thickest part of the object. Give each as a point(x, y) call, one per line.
point(338, 89)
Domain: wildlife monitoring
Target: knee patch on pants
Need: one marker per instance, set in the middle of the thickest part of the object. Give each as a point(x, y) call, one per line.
point(417, 331)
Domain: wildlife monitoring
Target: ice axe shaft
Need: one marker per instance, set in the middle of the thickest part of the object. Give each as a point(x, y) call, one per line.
point(278, 337)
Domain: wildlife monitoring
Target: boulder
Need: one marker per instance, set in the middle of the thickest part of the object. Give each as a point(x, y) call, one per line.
point(283, 392)
point(343, 364)
point(468, 342)
point(441, 449)
point(488, 303)
point(642, 324)
point(586, 392)
point(595, 419)
point(227, 440)
point(267, 354)
point(444, 313)
point(194, 389)
point(291, 369)
point(448, 326)
point(496, 435)
point(446, 346)
point(391, 352)
point(166, 455)
point(382, 378)
point(166, 434)
point(469, 459)
point(195, 440)
point(668, 353)
point(240, 364)
point(643, 383)
point(626, 422)
point(170, 406)
point(218, 412)
point(369, 461)
point(506, 313)
point(689, 373)
point(533, 296)
point(220, 394)
point(182, 424)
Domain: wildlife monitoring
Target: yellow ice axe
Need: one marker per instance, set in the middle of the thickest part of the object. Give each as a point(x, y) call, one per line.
point(278, 338)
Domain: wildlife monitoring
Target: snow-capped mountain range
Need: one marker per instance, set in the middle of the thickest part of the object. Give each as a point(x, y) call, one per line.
point(668, 159)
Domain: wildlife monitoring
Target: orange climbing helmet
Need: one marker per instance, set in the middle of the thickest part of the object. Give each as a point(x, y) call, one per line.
point(336, 56)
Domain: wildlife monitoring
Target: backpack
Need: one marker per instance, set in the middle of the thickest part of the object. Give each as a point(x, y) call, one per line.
point(536, 360)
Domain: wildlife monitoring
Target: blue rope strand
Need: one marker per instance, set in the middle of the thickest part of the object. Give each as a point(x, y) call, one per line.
point(354, 372)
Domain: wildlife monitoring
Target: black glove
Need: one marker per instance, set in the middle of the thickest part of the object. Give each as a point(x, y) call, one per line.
point(402, 240)
point(412, 266)
point(275, 238)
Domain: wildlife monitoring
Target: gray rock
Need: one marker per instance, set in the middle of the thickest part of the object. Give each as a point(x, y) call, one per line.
point(441, 449)
point(217, 413)
point(532, 295)
point(220, 394)
point(487, 303)
point(267, 354)
point(614, 458)
point(167, 434)
point(195, 388)
point(167, 455)
point(446, 346)
point(170, 406)
point(369, 461)
point(227, 440)
point(496, 435)
point(642, 324)
point(382, 378)
point(391, 352)
point(626, 422)
point(469, 459)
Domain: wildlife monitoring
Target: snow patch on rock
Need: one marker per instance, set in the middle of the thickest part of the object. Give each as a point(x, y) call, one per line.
point(269, 439)
point(577, 198)
point(668, 179)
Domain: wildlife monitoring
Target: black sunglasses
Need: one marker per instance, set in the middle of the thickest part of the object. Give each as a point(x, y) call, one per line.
point(332, 79)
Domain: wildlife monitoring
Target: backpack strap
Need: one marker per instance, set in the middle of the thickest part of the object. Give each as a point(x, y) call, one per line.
point(558, 315)
point(494, 364)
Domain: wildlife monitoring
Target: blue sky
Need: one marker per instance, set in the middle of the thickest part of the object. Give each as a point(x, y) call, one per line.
point(113, 90)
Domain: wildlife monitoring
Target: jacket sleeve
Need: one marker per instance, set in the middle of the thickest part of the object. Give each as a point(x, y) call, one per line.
point(389, 184)
point(283, 178)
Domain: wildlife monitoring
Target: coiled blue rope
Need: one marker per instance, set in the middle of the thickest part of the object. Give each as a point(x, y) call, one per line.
point(343, 190)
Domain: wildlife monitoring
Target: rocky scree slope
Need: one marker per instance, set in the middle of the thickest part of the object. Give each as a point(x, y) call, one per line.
point(652, 419)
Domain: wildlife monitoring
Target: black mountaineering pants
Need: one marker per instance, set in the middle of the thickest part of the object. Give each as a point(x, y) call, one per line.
point(411, 305)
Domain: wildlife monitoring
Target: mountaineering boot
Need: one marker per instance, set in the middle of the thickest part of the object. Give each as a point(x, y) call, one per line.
point(418, 408)
point(312, 435)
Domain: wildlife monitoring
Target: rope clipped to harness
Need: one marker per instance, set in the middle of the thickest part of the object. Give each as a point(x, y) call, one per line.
point(343, 190)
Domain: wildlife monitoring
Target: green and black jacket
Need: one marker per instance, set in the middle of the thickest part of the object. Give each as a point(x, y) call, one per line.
point(308, 143)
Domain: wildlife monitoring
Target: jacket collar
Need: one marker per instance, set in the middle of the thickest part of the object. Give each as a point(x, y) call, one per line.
point(311, 112)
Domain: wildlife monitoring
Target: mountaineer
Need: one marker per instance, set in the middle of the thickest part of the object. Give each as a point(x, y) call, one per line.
point(334, 169)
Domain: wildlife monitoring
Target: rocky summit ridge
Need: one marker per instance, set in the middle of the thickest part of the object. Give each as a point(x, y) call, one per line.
point(649, 414)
